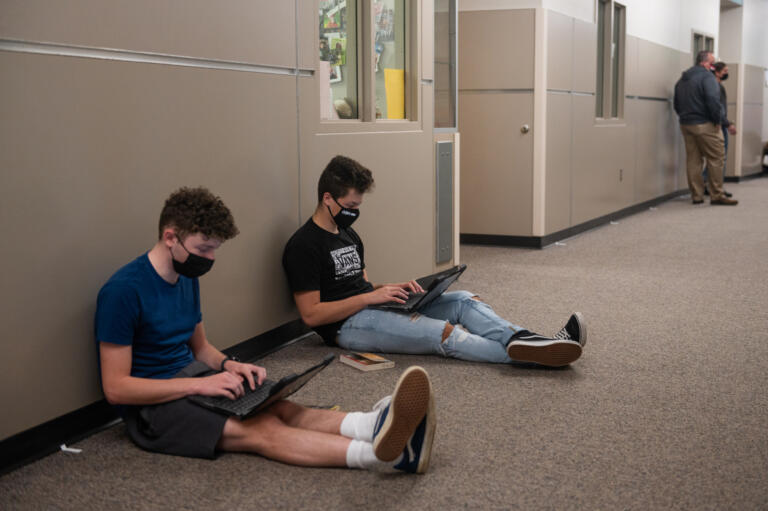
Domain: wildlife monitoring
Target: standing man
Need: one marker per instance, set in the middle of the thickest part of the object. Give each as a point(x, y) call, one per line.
point(697, 103)
point(154, 352)
point(721, 74)
point(325, 264)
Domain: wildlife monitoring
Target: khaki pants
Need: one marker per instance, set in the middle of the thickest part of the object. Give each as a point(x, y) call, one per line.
point(704, 141)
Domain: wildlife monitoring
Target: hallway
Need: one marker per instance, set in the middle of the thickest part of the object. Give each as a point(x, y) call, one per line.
point(667, 408)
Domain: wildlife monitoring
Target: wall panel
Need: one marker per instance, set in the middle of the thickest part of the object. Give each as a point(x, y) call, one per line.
point(658, 69)
point(496, 49)
point(254, 31)
point(89, 151)
point(731, 89)
point(559, 162)
point(731, 84)
point(496, 163)
point(752, 127)
point(632, 79)
point(751, 139)
point(560, 61)
point(307, 22)
point(754, 81)
point(585, 56)
point(603, 164)
point(655, 131)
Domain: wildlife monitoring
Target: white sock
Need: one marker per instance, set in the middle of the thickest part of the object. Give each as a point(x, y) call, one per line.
point(360, 455)
point(359, 425)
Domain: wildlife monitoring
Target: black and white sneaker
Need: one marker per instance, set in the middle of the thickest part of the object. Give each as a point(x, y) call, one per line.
point(574, 330)
point(529, 347)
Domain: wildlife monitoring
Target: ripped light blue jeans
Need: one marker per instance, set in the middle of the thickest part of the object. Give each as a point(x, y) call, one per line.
point(482, 337)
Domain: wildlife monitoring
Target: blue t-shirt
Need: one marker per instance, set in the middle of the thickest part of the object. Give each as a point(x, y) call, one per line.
point(137, 307)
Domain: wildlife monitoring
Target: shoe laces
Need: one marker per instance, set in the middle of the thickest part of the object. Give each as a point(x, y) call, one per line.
point(411, 454)
point(563, 335)
point(382, 403)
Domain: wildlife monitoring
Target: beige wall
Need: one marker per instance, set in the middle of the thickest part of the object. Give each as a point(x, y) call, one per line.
point(496, 60)
point(592, 168)
point(745, 49)
point(90, 148)
point(732, 91)
point(612, 166)
point(233, 31)
point(746, 147)
point(751, 125)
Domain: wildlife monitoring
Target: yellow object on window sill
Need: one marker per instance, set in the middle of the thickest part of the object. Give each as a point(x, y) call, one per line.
point(394, 84)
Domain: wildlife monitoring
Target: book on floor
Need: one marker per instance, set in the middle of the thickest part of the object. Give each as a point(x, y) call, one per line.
point(366, 361)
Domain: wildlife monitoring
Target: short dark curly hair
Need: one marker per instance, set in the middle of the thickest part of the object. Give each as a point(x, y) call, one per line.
point(197, 210)
point(341, 174)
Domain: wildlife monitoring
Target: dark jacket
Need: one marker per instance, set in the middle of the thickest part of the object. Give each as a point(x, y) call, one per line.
point(697, 97)
point(724, 103)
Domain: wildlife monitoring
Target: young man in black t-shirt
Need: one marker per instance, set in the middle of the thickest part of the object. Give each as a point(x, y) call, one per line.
point(325, 264)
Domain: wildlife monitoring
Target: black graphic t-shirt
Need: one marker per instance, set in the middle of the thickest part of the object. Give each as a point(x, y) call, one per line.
point(317, 260)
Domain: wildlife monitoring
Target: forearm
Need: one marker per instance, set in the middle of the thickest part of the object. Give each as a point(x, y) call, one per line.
point(209, 355)
point(324, 313)
point(129, 390)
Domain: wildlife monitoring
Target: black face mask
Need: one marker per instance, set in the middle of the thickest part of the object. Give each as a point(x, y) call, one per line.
point(345, 217)
point(194, 266)
point(724, 77)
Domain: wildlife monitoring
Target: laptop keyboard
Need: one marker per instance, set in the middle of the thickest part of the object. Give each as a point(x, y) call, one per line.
point(413, 298)
point(246, 403)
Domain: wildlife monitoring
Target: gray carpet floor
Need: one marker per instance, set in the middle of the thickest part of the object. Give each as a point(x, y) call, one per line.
point(666, 409)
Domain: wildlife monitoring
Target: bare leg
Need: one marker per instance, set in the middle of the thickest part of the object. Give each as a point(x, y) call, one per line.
point(297, 416)
point(266, 434)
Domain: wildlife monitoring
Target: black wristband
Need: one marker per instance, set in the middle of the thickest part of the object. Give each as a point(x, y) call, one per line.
point(226, 359)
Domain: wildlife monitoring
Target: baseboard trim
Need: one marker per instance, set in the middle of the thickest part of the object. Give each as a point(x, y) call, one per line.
point(262, 345)
point(40, 441)
point(549, 239)
point(736, 179)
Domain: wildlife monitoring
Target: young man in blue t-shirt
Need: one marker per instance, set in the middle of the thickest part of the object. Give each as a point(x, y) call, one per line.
point(325, 264)
point(154, 352)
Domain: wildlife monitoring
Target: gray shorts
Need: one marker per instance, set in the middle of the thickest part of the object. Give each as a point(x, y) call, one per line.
point(177, 427)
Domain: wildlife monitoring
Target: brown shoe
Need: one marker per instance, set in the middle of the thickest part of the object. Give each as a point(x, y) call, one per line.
point(697, 201)
point(724, 201)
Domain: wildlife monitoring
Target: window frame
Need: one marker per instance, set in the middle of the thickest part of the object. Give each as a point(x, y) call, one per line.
point(366, 76)
point(453, 20)
point(610, 92)
point(707, 39)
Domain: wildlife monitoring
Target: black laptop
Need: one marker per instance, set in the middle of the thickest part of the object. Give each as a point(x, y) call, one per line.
point(264, 395)
point(434, 285)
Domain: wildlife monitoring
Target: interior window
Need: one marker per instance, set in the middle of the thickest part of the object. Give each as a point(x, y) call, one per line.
point(337, 70)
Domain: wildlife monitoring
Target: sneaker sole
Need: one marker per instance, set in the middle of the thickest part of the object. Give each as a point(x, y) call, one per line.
point(429, 435)
point(554, 354)
point(410, 403)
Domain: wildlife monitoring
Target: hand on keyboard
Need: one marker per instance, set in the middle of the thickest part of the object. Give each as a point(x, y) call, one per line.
point(412, 287)
point(223, 384)
point(388, 293)
point(246, 371)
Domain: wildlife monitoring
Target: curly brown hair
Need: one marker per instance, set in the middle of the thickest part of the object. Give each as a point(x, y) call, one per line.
point(197, 210)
